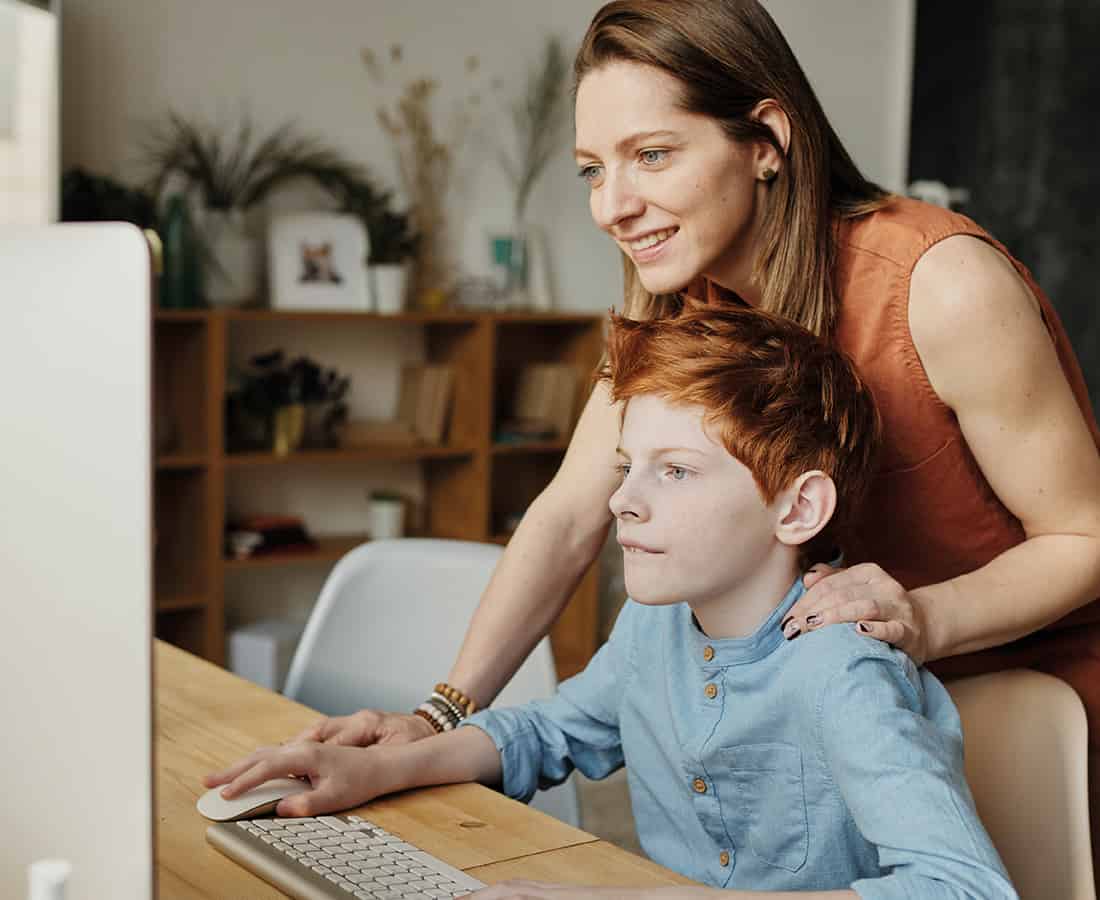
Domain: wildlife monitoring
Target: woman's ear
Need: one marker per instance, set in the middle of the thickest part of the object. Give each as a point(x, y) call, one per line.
point(806, 508)
point(771, 114)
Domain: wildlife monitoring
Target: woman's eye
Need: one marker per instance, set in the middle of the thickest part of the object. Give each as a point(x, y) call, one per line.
point(653, 157)
point(589, 174)
point(623, 469)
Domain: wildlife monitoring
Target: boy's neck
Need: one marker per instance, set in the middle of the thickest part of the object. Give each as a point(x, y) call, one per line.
point(740, 611)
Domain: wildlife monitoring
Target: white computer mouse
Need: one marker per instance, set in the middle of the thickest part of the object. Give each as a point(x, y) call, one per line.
point(257, 802)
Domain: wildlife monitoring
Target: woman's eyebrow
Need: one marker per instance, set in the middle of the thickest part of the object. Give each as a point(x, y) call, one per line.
point(637, 138)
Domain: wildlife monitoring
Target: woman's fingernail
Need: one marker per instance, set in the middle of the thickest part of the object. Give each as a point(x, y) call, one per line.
point(813, 619)
point(791, 630)
point(783, 625)
point(864, 627)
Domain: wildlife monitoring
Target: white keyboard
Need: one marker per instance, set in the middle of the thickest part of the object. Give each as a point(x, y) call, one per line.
point(337, 857)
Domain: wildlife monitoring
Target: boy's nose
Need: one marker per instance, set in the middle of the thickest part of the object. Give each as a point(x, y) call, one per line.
point(625, 503)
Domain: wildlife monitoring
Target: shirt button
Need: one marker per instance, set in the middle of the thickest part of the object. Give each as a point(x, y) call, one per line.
point(708, 653)
point(724, 858)
point(711, 691)
point(699, 785)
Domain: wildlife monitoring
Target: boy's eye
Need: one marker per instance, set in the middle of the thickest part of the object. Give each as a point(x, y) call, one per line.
point(589, 174)
point(653, 157)
point(676, 473)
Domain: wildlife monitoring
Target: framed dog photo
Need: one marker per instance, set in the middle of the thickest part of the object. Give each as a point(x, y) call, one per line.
point(318, 261)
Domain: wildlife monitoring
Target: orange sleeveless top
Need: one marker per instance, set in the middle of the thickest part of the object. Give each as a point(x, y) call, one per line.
point(931, 514)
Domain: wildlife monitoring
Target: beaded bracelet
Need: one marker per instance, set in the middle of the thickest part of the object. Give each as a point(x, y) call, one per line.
point(436, 727)
point(439, 700)
point(445, 710)
point(444, 722)
point(456, 696)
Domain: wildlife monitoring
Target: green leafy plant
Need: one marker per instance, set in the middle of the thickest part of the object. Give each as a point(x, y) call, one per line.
point(238, 169)
point(271, 381)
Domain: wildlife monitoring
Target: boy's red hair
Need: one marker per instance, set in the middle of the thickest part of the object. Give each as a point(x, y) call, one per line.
point(780, 399)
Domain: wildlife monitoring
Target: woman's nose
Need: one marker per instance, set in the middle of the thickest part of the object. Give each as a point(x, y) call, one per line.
point(617, 201)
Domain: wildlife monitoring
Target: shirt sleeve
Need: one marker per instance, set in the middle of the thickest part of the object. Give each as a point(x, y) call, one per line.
point(893, 745)
point(541, 742)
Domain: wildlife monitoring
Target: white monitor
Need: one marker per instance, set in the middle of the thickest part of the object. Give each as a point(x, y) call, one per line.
point(30, 54)
point(76, 756)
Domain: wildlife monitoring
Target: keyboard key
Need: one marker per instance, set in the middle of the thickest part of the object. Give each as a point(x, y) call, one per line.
point(334, 823)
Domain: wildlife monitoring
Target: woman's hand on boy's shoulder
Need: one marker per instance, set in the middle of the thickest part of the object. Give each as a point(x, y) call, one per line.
point(864, 595)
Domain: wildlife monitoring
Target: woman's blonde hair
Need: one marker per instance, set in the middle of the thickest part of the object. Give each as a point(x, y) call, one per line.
point(729, 55)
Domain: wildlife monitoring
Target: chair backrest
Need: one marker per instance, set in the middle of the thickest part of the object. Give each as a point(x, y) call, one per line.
point(392, 612)
point(1026, 746)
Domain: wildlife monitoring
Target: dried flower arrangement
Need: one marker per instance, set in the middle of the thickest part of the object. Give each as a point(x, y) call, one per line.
point(425, 161)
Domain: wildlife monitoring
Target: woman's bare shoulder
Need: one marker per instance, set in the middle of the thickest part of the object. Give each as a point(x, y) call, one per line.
point(965, 294)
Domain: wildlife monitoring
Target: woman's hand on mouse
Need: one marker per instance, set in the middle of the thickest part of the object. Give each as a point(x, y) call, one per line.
point(867, 596)
point(368, 727)
point(339, 777)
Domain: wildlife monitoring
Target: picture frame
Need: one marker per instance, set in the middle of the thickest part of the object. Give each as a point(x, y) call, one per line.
point(318, 262)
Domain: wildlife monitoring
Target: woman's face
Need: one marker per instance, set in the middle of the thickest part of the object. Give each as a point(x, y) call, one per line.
point(671, 188)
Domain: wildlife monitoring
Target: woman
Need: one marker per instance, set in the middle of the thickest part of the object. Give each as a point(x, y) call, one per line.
point(711, 164)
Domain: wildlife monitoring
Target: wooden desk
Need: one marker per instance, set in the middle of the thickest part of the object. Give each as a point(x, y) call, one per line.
point(206, 718)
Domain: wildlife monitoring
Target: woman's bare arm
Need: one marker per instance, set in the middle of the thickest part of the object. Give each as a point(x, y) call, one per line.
point(980, 335)
point(989, 356)
point(560, 536)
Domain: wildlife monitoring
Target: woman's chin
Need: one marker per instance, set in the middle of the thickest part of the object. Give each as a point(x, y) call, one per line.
point(666, 282)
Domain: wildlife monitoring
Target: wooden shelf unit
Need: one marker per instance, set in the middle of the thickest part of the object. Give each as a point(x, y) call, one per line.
point(473, 485)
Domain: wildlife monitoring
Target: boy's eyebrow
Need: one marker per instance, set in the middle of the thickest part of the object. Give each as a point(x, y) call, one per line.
point(627, 141)
point(662, 451)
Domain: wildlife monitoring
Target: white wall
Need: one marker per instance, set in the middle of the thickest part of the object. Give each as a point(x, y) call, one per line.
point(127, 61)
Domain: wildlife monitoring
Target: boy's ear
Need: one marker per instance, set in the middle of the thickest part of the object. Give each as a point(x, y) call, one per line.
point(806, 507)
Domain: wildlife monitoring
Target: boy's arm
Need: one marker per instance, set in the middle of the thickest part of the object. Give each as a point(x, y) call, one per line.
point(337, 777)
point(901, 775)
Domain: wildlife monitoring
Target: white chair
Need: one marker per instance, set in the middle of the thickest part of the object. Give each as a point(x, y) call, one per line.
point(1026, 745)
point(390, 614)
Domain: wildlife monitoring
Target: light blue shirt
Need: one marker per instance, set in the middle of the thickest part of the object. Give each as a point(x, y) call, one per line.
point(826, 762)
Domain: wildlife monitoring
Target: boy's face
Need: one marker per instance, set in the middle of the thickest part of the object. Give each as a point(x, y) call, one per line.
point(692, 523)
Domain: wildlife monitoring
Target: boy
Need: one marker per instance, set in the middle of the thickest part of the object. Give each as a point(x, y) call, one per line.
point(830, 764)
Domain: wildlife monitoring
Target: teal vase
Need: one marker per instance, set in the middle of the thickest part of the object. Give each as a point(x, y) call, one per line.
point(181, 278)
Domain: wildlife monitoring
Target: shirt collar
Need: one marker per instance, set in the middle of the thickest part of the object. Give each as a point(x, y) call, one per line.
point(718, 652)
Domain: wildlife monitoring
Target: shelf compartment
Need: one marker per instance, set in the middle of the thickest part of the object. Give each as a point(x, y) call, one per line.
point(379, 453)
point(181, 461)
point(179, 385)
point(462, 317)
point(167, 603)
point(329, 549)
point(182, 512)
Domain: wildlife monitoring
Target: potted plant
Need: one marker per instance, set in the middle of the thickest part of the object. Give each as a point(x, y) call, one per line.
point(231, 172)
point(393, 244)
point(282, 404)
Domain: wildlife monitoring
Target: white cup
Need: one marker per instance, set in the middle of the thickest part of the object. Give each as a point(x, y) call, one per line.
point(385, 518)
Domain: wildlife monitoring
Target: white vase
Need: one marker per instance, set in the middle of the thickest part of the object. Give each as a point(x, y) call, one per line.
point(540, 288)
point(385, 518)
point(388, 284)
point(233, 274)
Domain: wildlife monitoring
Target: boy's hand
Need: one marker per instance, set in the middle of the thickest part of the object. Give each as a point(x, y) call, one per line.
point(338, 777)
point(864, 595)
point(367, 727)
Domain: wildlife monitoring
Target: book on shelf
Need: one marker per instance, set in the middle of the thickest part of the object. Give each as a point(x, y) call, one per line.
point(423, 410)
